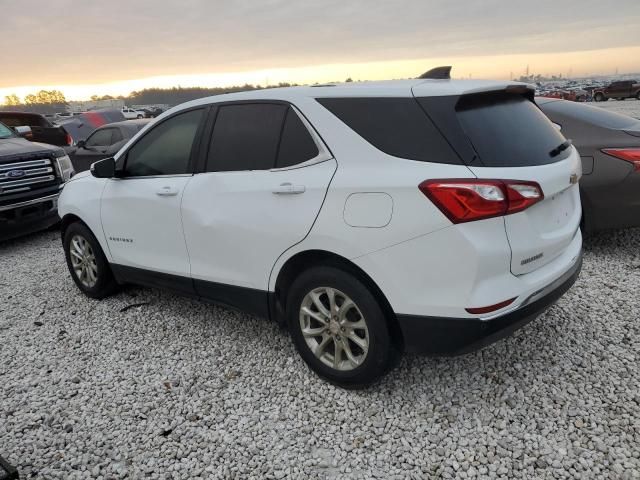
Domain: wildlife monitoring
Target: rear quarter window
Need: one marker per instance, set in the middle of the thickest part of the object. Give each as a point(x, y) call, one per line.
point(396, 126)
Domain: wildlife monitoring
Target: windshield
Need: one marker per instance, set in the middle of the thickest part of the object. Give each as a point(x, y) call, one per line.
point(5, 132)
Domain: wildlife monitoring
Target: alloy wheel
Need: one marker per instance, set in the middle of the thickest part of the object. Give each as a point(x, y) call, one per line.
point(334, 328)
point(83, 261)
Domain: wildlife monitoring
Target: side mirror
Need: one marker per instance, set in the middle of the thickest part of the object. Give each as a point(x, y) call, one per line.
point(105, 168)
point(24, 131)
point(81, 143)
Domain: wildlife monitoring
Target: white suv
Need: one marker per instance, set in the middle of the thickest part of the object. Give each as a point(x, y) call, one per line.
point(430, 216)
point(131, 114)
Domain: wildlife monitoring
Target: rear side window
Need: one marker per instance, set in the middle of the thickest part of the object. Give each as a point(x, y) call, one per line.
point(396, 126)
point(246, 137)
point(166, 148)
point(588, 114)
point(507, 130)
point(296, 145)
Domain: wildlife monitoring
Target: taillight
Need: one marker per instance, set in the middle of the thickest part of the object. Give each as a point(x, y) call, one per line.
point(467, 200)
point(629, 154)
point(69, 140)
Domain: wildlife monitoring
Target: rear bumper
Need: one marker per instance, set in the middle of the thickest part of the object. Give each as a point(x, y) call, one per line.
point(456, 336)
point(28, 217)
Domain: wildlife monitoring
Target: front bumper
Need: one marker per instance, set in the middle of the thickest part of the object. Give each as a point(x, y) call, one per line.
point(27, 217)
point(456, 336)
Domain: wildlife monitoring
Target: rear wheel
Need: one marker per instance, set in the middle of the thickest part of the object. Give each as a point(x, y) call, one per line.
point(86, 261)
point(338, 327)
point(140, 116)
point(599, 97)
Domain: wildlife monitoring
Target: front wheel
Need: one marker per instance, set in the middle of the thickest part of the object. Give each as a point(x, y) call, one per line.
point(87, 264)
point(599, 97)
point(339, 328)
point(139, 117)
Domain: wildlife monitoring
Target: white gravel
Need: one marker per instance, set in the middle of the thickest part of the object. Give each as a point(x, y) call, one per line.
point(179, 389)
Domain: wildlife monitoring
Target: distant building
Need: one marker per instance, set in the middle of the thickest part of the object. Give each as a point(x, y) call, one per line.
point(85, 106)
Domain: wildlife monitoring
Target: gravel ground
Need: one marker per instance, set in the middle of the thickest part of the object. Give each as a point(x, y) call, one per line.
point(173, 388)
point(150, 385)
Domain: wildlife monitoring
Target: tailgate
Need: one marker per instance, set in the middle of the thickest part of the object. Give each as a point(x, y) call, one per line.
point(542, 232)
point(503, 135)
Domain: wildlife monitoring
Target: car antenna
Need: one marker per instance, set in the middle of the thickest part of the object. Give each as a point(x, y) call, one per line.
point(438, 73)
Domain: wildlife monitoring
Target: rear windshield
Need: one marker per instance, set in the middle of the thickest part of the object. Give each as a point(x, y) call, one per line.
point(594, 115)
point(508, 130)
point(397, 126)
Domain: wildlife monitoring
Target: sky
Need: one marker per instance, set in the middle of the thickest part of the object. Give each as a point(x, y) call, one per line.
point(86, 47)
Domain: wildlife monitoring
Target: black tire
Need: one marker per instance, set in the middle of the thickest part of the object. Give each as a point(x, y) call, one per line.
point(599, 97)
point(381, 352)
point(105, 284)
point(638, 96)
point(139, 117)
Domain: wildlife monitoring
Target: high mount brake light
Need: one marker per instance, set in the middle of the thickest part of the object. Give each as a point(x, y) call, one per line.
point(631, 155)
point(468, 200)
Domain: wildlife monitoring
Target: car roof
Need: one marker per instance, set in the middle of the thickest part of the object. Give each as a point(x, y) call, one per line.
point(21, 114)
point(389, 88)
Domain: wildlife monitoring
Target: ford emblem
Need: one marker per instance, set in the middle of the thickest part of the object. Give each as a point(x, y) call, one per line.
point(15, 173)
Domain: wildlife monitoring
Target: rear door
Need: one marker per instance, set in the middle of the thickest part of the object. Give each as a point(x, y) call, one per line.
point(515, 140)
point(259, 192)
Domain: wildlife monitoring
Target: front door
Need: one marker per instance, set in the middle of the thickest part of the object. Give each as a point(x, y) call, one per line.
point(95, 148)
point(141, 208)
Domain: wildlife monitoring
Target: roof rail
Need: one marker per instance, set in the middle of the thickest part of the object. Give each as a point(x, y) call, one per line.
point(438, 73)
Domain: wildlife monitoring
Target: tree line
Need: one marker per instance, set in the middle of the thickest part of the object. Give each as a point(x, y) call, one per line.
point(54, 101)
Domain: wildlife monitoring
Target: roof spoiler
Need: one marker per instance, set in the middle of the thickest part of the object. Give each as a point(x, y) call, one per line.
point(438, 73)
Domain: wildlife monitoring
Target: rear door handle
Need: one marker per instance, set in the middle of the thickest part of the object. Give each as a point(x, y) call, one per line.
point(167, 192)
point(289, 189)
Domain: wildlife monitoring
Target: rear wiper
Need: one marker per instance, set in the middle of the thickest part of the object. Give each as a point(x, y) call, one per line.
point(560, 148)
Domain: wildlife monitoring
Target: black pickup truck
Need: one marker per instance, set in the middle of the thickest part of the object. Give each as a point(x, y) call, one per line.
point(31, 177)
point(39, 128)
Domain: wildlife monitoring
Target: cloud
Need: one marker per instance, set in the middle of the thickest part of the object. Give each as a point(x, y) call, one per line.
point(76, 41)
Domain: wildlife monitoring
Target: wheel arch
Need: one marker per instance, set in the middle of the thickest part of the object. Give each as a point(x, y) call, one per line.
point(307, 259)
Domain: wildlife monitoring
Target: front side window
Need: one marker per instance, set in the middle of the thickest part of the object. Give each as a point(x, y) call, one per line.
point(166, 148)
point(246, 137)
point(100, 138)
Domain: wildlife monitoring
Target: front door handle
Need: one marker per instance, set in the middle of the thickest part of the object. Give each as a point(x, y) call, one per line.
point(289, 189)
point(167, 192)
